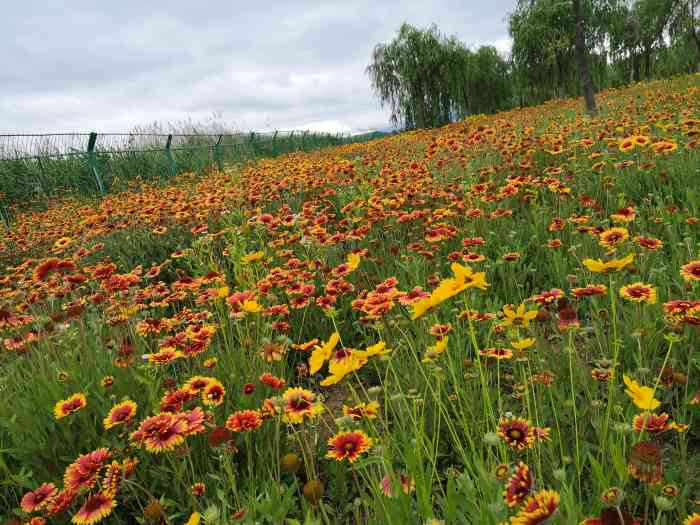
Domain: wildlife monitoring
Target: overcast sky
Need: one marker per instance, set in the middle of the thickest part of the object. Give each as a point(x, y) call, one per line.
point(110, 66)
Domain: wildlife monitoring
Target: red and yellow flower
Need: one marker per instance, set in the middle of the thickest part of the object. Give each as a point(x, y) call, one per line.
point(348, 445)
point(639, 293)
point(244, 420)
point(73, 404)
point(120, 414)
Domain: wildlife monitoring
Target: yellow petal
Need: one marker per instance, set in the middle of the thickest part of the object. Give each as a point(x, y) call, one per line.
point(194, 519)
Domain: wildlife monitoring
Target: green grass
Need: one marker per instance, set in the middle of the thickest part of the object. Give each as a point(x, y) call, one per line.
point(407, 203)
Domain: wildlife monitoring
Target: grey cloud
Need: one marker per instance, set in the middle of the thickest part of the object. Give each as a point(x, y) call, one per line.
point(110, 66)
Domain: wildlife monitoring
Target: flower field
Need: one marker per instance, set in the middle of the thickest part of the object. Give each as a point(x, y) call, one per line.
point(492, 322)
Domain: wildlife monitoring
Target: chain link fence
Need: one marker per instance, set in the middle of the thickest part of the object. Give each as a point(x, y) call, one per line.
point(34, 168)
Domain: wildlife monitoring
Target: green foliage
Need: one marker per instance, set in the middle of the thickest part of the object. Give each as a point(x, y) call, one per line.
point(627, 41)
point(427, 79)
point(30, 182)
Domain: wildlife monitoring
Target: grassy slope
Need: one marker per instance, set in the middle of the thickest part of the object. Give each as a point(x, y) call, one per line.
point(405, 203)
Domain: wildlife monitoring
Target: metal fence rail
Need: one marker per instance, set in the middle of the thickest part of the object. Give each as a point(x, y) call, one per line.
point(32, 146)
point(36, 166)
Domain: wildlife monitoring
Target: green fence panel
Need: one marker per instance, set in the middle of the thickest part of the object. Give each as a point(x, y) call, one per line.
point(34, 168)
point(92, 162)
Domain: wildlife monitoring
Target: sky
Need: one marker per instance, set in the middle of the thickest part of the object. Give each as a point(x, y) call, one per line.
point(114, 66)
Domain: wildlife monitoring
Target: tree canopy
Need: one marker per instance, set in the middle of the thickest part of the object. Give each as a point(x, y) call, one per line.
point(428, 79)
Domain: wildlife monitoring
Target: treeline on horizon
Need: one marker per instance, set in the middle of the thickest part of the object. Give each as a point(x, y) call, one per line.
point(428, 79)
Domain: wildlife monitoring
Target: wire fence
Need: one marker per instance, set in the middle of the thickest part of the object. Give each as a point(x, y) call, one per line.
point(36, 167)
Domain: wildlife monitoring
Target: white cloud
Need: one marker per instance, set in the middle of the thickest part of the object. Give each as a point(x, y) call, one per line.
point(504, 45)
point(271, 65)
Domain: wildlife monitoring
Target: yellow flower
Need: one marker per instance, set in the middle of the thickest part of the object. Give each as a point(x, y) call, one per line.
point(322, 353)
point(377, 349)
point(434, 351)
point(447, 288)
point(354, 360)
point(467, 276)
point(642, 396)
point(464, 277)
point(252, 257)
point(251, 306)
point(523, 344)
point(194, 519)
point(679, 427)
point(331, 380)
point(351, 361)
point(614, 265)
point(367, 410)
point(222, 292)
point(519, 318)
point(342, 367)
point(422, 306)
point(353, 261)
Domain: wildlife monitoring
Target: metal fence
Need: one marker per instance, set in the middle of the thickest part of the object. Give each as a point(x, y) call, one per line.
point(34, 167)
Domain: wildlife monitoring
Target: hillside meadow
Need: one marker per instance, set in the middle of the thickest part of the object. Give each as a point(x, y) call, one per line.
point(496, 321)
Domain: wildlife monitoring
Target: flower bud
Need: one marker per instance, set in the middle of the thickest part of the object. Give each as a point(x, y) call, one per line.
point(313, 491)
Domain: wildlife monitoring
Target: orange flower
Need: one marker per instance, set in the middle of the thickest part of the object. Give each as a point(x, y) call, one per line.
point(693, 519)
point(649, 243)
point(244, 420)
point(645, 463)
point(651, 423)
point(589, 290)
point(160, 433)
point(83, 472)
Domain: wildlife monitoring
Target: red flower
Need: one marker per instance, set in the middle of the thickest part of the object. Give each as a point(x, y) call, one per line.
point(96, 507)
point(518, 485)
point(244, 420)
point(348, 445)
point(38, 498)
point(645, 463)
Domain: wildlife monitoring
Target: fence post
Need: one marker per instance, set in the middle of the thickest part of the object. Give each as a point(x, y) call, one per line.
point(251, 144)
point(3, 209)
point(169, 155)
point(218, 153)
point(92, 161)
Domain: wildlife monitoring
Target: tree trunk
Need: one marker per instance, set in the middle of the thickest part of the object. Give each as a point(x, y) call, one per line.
point(647, 63)
point(695, 34)
point(631, 68)
point(584, 73)
point(561, 82)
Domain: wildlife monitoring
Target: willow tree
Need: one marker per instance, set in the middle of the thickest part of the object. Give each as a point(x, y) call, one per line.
point(426, 79)
point(543, 48)
point(582, 59)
